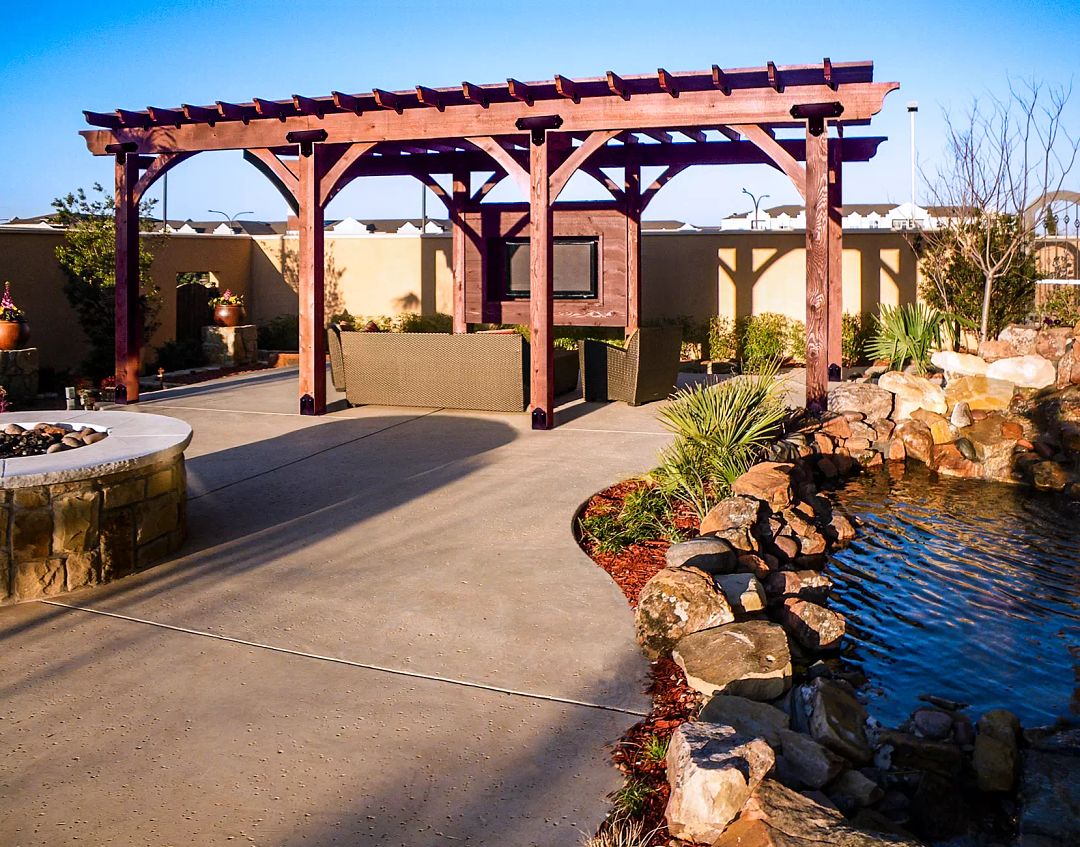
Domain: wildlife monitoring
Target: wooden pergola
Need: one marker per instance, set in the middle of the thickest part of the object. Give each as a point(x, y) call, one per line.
point(536, 133)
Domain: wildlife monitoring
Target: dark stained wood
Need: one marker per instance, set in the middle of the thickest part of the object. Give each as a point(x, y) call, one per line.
point(128, 315)
point(109, 121)
point(236, 112)
point(459, 199)
point(165, 116)
point(520, 91)
point(474, 94)
point(720, 80)
point(667, 82)
point(134, 119)
point(273, 109)
point(541, 303)
point(200, 114)
point(618, 85)
point(347, 102)
point(826, 66)
point(567, 89)
point(430, 97)
point(695, 135)
point(836, 254)
point(156, 169)
point(309, 105)
point(659, 135)
point(774, 77)
point(632, 194)
point(778, 154)
point(817, 269)
point(311, 267)
point(388, 100)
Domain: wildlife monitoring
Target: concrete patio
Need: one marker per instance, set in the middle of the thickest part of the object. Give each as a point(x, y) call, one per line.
point(380, 631)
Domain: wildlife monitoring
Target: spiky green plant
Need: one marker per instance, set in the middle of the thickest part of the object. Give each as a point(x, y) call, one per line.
point(719, 432)
point(630, 800)
point(645, 514)
point(620, 831)
point(654, 748)
point(910, 332)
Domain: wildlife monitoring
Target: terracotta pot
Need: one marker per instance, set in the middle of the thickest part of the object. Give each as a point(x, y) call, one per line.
point(14, 335)
point(228, 315)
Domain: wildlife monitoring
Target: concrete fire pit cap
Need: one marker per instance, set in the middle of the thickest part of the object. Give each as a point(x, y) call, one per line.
point(135, 440)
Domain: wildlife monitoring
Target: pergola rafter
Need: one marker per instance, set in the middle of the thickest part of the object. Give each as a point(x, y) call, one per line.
point(537, 133)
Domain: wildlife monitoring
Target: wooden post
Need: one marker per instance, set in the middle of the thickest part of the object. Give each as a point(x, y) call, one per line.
point(541, 288)
point(126, 294)
point(311, 271)
point(632, 189)
point(817, 267)
point(457, 222)
point(836, 259)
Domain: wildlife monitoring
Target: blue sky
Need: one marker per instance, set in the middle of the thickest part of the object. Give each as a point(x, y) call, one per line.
point(62, 57)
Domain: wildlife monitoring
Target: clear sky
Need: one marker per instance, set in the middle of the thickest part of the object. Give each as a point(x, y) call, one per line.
point(60, 57)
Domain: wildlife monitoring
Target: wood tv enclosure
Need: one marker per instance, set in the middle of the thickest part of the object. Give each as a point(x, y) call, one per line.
point(589, 264)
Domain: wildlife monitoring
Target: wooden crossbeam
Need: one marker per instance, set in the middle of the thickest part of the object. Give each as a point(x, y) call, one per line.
point(774, 77)
point(565, 88)
point(474, 94)
point(200, 114)
point(430, 97)
point(107, 120)
point(667, 82)
point(387, 100)
point(618, 85)
point(659, 135)
point(308, 106)
point(347, 102)
point(272, 109)
point(729, 133)
point(826, 65)
point(135, 119)
point(234, 111)
point(694, 134)
point(520, 91)
point(720, 80)
point(165, 116)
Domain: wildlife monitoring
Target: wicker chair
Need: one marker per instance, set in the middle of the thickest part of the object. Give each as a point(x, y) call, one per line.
point(646, 370)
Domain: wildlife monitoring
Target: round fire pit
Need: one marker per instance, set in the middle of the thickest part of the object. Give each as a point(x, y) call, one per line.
point(90, 515)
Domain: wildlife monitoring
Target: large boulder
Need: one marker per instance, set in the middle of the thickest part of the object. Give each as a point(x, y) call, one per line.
point(712, 771)
point(804, 584)
point(749, 659)
point(1052, 342)
point(743, 592)
point(913, 392)
point(871, 401)
point(1050, 792)
point(675, 603)
point(917, 439)
point(980, 393)
point(958, 364)
point(731, 513)
point(1022, 339)
point(991, 350)
point(776, 816)
point(708, 554)
point(831, 714)
point(997, 753)
point(994, 448)
point(803, 763)
point(769, 482)
point(750, 718)
point(1024, 371)
point(941, 428)
point(813, 626)
point(1068, 368)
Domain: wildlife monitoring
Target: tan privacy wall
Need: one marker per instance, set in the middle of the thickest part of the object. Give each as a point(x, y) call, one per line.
point(697, 274)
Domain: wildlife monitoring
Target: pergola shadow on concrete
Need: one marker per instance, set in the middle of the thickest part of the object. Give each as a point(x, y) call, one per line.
point(539, 134)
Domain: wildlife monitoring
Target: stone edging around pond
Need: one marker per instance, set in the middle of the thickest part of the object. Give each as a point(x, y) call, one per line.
point(82, 517)
point(741, 608)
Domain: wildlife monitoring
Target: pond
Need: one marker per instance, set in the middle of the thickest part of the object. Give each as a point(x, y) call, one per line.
point(963, 589)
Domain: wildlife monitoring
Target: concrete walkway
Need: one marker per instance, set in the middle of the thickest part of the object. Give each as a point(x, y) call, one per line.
point(329, 661)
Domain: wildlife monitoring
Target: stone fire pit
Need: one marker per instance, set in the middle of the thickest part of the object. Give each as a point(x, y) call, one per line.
point(87, 516)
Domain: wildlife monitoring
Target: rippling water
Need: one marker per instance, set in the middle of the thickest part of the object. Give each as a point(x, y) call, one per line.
point(962, 589)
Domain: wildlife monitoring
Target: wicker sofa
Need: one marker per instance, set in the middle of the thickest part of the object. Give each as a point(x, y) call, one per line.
point(646, 370)
point(485, 372)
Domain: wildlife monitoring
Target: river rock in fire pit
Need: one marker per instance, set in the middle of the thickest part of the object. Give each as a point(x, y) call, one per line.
point(675, 603)
point(870, 400)
point(712, 771)
point(813, 626)
point(706, 553)
point(749, 659)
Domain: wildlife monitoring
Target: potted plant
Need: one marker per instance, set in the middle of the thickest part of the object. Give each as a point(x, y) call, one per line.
point(14, 330)
point(108, 389)
point(228, 308)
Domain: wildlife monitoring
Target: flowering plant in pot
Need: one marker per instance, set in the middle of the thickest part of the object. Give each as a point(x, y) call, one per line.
point(228, 308)
point(14, 330)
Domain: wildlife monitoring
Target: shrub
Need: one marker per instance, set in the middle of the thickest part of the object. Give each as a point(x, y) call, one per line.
point(645, 515)
point(907, 333)
point(855, 336)
point(281, 333)
point(795, 344)
point(719, 432)
point(762, 339)
point(180, 355)
point(1060, 307)
point(723, 339)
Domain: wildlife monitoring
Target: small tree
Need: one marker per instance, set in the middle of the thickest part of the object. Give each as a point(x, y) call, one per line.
point(1001, 159)
point(88, 259)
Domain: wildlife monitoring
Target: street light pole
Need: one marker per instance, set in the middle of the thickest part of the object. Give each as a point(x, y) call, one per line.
point(913, 110)
point(230, 218)
point(756, 200)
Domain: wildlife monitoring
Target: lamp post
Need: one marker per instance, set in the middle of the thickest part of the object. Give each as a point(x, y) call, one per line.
point(757, 200)
point(230, 218)
point(913, 110)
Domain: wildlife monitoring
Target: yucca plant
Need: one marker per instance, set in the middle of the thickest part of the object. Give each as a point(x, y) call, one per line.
point(907, 333)
point(719, 431)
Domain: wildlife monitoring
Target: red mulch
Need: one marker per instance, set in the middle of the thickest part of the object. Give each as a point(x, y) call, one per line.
point(673, 701)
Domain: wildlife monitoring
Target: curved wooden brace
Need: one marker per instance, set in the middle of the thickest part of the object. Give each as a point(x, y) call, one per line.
point(604, 180)
point(162, 164)
point(283, 177)
point(771, 148)
point(506, 160)
point(338, 176)
point(666, 176)
point(489, 184)
point(577, 158)
point(436, 189)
